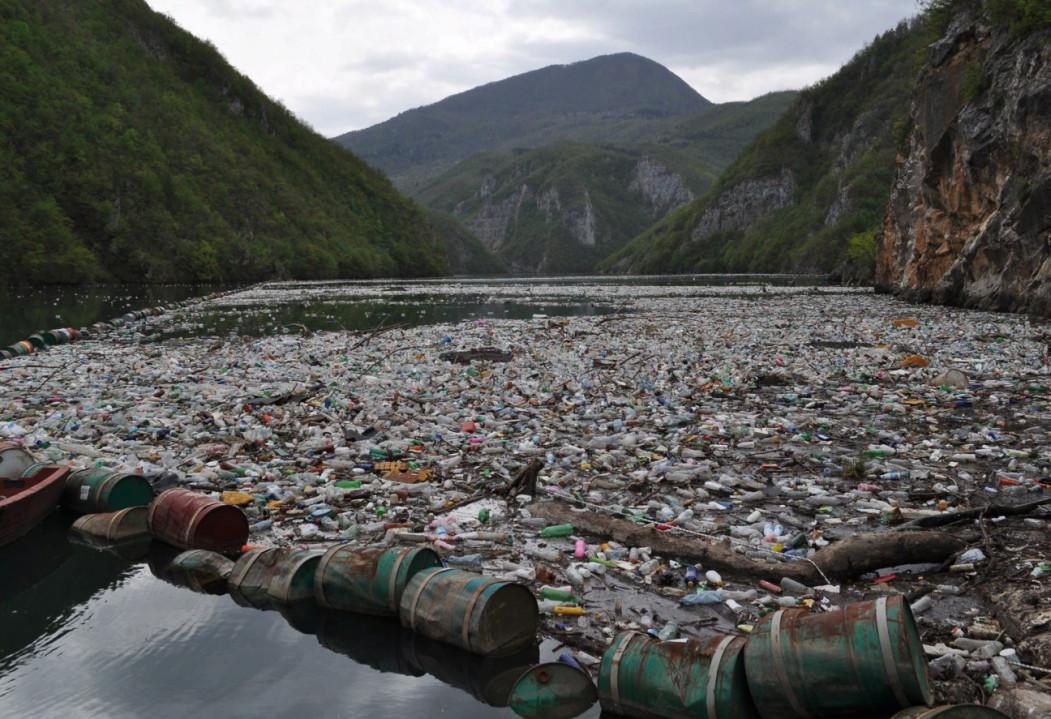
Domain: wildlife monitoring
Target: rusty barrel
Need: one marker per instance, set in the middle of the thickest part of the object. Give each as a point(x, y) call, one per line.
point(195, 521)
point(865, 658)
point(958, 711)
point(369, 581)
point(249, 581)
point(484, 616)
point(552, 690)
point(293, 579)
point(14, 461)
point(643, 677)
point(277, 575)
point(201, 570)
point(114, 526)
point(103, 490)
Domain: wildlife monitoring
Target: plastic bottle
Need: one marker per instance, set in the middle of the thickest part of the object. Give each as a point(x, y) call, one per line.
point(561, 595)
point(703, 598)
point(557, 530)
point(669, 631)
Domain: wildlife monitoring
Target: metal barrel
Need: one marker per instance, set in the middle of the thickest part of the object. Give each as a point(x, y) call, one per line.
point(30, 471)
point(293, 579)
point(57, 336)
point(14, 461)
point(201, 569)
point(6, 353)
point(194, 521)
point(38, 341)
point(249, 581)
point(22, 348)
point(866, 658)
point(643, 677)
point(114, 526)
point(958, 711)
point(103, 490)
point(484, 616)
point(552, 691)
point(369, 581)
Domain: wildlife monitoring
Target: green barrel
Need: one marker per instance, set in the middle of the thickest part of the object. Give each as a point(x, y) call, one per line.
point(293, 578)
point(959, 711)
point(38, 341)
point(202, 570)
point(484, 616)
point(30, 471)
point(369, 581)
point(103, 490)
point(552, 691)
point(643, 677)
point(863, 659)
point(59, 336)
point(249, 581)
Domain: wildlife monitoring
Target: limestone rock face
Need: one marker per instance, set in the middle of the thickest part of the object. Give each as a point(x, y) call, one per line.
point(969, 220)
point(663, 189)
point(744, 203)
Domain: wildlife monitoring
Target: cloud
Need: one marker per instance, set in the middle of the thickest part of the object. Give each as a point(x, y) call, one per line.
point(347, 64)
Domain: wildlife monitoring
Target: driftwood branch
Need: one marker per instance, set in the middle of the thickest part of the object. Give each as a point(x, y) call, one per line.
point(992, 510)
point(845, 559)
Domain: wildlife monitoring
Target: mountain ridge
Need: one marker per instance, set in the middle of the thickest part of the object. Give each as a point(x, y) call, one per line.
point(617, 97)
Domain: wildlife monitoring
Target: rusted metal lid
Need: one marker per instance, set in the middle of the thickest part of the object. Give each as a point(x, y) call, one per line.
point(552, 691)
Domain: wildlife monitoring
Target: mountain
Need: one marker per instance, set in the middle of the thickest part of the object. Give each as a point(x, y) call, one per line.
point(809, 193)
point(132, 151)
point(969, 222)
point(622, 97)
point(563, 207)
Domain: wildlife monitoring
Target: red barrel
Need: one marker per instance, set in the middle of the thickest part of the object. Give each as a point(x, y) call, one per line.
point(195, 521)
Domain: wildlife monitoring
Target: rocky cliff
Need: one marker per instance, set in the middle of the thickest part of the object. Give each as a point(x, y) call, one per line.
point(969, 221)
point(796, 196)
point(563, 207)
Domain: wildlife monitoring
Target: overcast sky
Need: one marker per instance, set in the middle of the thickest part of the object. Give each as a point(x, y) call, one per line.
point(346, 64)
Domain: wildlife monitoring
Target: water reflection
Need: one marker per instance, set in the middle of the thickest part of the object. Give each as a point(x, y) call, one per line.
point(44, 581)
point(25, 310)
point(89, 632)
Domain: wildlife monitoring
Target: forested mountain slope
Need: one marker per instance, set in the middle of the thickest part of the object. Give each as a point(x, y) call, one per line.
point(131, 151)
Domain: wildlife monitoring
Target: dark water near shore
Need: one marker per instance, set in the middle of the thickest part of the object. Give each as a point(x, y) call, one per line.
point(87, 633)
point(24, 311)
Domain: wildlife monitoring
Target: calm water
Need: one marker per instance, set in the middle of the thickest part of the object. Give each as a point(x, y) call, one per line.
point(24, 311)
point(87, 633)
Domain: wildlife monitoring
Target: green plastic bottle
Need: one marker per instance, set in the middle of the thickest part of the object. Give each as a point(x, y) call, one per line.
point(557, 530)
point(559, 595)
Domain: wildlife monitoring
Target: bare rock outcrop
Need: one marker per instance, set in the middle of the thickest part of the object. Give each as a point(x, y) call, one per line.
point(969, 220)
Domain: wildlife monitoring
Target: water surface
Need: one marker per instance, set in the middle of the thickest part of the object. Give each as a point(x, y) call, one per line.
point(88, 633)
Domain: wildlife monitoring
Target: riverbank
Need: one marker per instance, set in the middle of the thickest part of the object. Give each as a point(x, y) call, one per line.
point(771, 422)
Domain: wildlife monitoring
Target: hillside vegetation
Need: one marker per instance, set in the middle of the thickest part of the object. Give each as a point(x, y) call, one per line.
point(613, 98)
point(794, 199)
point(131, 151)
point(563, 207)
